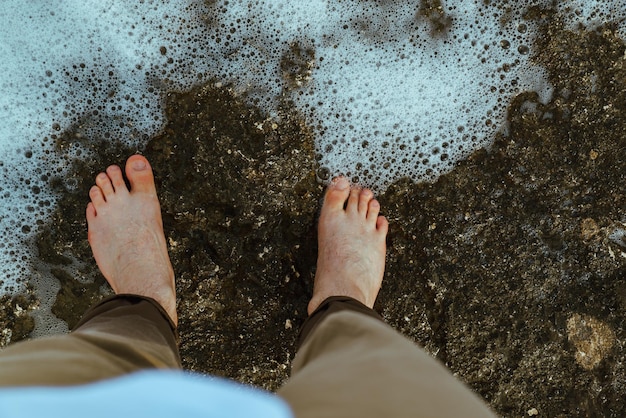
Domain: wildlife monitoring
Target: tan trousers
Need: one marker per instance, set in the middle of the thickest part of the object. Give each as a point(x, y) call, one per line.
point(355, 366)
point(350, 365)
point(120, 335)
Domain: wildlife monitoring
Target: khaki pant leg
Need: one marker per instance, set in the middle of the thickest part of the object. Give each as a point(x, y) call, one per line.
point(120, 335)
point(353, 365)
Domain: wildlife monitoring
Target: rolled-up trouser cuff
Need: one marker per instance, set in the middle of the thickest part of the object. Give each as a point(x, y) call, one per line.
point(150, 309)
point(329, 306)
point(120, 335)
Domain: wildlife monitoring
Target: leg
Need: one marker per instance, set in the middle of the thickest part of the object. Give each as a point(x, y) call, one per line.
point(135, 329)
point(351, 364)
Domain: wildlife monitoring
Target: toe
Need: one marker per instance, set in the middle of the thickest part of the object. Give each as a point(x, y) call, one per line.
point(104, 183)
point(382, 225)
point(96, 196)
point(353, 200)
point(140, 175)
point(336, 194)
point(90, 212)
point(115, 174)
point(373, 209)
point(364, 200)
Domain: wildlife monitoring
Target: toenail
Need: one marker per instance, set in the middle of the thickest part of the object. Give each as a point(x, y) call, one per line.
point(341, 183)
point(102, 176)
point(139, 165)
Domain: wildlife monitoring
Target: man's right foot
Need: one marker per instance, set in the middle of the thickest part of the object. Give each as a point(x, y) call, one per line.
point(351, 241)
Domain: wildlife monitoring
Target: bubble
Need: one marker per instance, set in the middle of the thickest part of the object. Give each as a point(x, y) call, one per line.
point(323, 174)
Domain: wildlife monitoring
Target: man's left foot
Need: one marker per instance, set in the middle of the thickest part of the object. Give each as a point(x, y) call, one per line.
point(126, 234)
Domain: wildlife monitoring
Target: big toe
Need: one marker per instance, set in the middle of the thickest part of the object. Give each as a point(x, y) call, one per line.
point(140, 175)
point(336, 194)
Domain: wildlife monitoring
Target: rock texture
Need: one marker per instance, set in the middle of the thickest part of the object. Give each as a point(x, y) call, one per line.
point(509, 269)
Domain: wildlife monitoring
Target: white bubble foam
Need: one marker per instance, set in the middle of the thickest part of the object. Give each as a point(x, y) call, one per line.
point(388, 98)
point(592, 14)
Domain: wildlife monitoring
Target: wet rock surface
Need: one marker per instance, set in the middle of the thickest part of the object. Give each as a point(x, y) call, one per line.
point(15, 320)
point(506, 269)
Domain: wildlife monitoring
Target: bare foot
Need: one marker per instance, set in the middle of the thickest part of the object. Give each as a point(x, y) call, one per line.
point(351, 240)
point(126, 234)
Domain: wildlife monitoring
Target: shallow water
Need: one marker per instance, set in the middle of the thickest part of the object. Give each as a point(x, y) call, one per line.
point(390, 89)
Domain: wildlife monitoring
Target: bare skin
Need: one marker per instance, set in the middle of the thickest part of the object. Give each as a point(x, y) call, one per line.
point(351, 241)
point(127, 239)
point(126, 234)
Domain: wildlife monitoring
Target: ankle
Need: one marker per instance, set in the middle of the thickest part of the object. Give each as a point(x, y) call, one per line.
point(354, 293)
